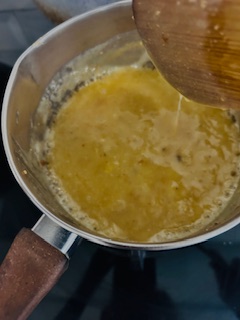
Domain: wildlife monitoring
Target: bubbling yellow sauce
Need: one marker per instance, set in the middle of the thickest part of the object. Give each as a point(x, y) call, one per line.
point(127, 171)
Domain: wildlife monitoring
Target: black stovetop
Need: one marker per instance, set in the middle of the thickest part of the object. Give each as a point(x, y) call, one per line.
point(196, 283)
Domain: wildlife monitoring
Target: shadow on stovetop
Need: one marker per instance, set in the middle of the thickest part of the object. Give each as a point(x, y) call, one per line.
point(227, 276)
point(134, 291)
point(6, 175)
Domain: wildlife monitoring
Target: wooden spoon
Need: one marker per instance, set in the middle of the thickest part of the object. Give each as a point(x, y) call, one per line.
point(196, 46)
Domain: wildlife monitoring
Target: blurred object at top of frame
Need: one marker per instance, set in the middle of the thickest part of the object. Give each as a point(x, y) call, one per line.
point(61, 10)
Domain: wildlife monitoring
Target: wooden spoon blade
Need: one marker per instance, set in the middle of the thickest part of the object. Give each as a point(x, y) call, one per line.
point(196, 46)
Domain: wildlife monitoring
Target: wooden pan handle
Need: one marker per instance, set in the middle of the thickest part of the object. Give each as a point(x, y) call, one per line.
point(29, 271)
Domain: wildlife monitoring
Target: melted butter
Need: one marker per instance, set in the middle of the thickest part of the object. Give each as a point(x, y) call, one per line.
point(128, 172)
point(179, 107)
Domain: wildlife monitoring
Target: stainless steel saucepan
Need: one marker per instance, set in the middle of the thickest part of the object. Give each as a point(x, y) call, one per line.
point(38, 257)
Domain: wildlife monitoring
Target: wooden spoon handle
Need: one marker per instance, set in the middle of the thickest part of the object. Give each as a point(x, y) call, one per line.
point(27, 274)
